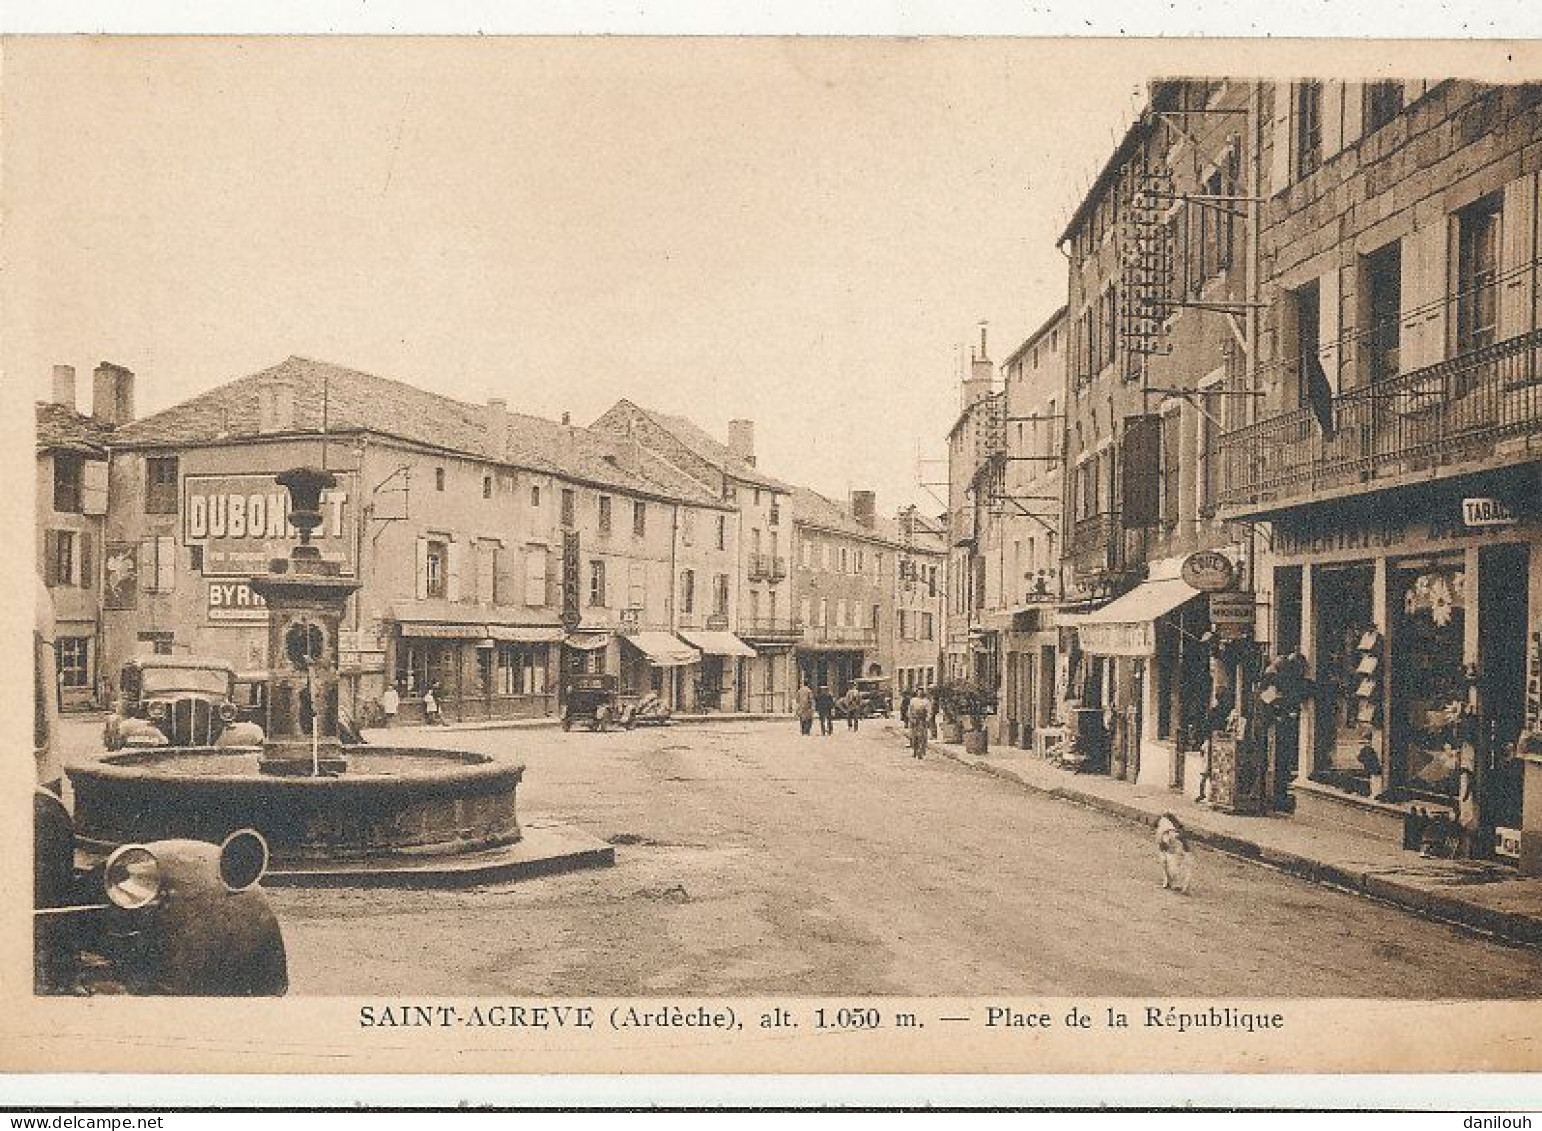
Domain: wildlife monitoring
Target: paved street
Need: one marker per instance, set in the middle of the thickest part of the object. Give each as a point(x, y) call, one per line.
point(751, 860)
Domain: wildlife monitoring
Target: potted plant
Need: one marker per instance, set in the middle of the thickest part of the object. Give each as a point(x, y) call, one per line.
point(963, 704)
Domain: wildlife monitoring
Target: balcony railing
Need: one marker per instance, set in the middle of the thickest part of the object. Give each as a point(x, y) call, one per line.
point(839, 634)
point(770, 628)
point(1484, 405)
point(772, 567)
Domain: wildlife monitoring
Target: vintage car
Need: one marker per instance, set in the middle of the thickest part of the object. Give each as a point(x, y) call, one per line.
point(172, 917)
point(876, 694)
point(180, 917)
point(177, 701)
point(591, 700)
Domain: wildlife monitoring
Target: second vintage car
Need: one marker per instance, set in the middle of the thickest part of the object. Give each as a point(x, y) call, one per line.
point(177, 701)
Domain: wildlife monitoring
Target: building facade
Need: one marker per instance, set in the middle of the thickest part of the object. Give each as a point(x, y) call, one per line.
point(919, 579)
point(756, 647)
point(71, 504)
point(1395, 449)
point(1161, 317)
point(494, 551)
point(976, 464)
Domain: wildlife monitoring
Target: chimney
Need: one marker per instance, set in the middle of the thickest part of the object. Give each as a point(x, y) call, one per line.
point(275, 407)
point(64, 386)
point(112, 394)
point(864, 507)
point(495, 421)
point(977, 385)
point(741, 440)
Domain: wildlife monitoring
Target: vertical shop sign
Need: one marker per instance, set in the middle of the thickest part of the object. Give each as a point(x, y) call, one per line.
point(571, 614)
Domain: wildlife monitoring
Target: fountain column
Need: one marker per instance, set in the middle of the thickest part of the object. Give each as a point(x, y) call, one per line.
point(305, 597)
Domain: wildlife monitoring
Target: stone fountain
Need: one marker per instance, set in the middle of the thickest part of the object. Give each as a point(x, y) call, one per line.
point(380, 814)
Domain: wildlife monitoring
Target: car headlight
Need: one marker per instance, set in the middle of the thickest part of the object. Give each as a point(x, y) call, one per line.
point(132, 877)
point(243, 859)
point(228, 712)
point(157, 710)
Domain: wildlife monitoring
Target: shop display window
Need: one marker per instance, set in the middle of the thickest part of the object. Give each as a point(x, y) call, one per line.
point(1429, 714)
point(1344, 615)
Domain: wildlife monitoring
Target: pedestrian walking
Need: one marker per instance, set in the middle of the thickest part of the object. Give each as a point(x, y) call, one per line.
point(919, 718)
point(431, 710)
point(824, 703)
point(852, 703)
point(904, 711)
point(390, 703)
point(803, 707)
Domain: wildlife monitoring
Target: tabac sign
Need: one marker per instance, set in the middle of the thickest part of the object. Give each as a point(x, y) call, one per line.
point(241, 521)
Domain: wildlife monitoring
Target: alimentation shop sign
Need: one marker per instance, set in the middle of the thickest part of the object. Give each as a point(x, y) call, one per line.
point(242, 521)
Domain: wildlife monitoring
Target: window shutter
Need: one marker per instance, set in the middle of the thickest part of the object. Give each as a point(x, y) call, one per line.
point(504, 588)
point(1332, 118)
point(452, 556)
point(94, 487)
point(422, 569)
point(486, 575)
point(535, 576)
point(1517, 258)
point(1283, 94)
point(87, 566)
point(1424, 286)
point(148, 574)
point(51, 557)
point(166, 563)
point(1329, 327)
point(1354, 112)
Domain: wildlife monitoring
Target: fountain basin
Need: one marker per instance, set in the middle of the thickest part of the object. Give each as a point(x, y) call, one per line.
point(393, 803)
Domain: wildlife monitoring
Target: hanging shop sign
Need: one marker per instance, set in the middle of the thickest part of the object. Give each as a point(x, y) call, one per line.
point(1488, 512)
point(242, 522)
point(1232, 615)
point(571, 613)
point(1209, 571)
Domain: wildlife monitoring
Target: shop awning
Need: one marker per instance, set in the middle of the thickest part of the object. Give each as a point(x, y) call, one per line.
point(1125, 626)
point(444, 631)
point(718, 643)
point(587, 641)
point(663, 649)
point(525, 633)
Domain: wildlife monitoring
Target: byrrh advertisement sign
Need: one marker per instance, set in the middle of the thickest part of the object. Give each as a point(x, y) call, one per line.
point(242, 521)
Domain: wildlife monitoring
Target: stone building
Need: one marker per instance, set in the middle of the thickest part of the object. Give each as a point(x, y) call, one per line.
point(1160, 316)
point(1022, 541)
point(70, 507)
point(920, 563)
point(760, 648)
point(1395, 449)
point(976, 464)
point(494, 550)
point(842, 581)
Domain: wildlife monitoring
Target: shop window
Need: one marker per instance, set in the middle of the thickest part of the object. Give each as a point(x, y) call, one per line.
point(1308, 128)
point(1381, 286)
point(1343, 618)
point(69, 474)
point(1429, 724)
point(74, 661)
point(1383, 101)
point(161, 485)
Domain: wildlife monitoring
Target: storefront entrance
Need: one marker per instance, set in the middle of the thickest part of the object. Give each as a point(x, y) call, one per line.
point(1429, 726)
point(1503, 598)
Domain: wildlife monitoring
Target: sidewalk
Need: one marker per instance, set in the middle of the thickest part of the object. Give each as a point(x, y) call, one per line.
point(550, 722)
point(1483, 896)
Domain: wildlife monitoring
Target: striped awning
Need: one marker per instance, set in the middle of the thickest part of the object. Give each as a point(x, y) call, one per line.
point(663, 649)
point(717, 643)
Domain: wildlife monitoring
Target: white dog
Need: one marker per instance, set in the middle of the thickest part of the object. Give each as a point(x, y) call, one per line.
point(1177, 860)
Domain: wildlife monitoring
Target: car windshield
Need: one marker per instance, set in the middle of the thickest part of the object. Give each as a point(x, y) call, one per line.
point(159, 681)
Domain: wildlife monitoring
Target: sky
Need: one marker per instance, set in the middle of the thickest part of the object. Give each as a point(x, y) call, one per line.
point(800, 233)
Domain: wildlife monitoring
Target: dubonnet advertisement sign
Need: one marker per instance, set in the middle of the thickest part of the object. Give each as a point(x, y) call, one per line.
point(242, 521)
